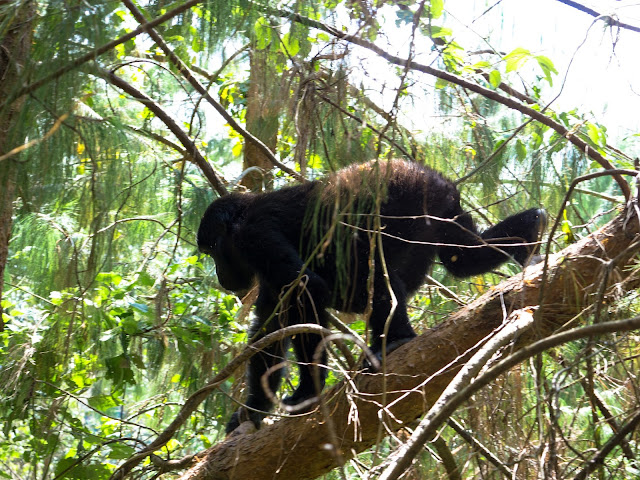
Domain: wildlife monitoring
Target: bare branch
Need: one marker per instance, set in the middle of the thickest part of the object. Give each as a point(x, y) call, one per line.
point(182, 136)
point(611, 20)
point(35, 141)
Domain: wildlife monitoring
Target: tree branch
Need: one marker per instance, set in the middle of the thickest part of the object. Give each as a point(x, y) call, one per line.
point(186, 73)
point(92, 55)
point(417, 373)
point(609, 19)
point(182, 136)
point(537, 115)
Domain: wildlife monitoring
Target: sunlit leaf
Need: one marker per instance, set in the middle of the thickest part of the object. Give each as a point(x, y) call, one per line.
point(547, 67)
point(436, 8)
point(495, 79)
point(517, 58)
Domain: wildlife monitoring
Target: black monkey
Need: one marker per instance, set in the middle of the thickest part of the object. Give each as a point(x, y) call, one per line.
point(329, 226)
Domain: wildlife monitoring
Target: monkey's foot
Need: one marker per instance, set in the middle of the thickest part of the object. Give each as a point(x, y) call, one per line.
point(241, 417)
point(377, 352)
point(300, 402)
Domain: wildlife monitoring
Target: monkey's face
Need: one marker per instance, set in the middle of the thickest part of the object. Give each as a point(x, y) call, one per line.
point(231, 267)
point(215, 238)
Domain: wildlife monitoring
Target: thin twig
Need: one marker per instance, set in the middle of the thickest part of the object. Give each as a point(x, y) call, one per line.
point(611, 20)
point(35, 141)
point(479, 447)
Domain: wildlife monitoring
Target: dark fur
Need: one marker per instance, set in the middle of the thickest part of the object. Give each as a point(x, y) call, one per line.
point(269, 237)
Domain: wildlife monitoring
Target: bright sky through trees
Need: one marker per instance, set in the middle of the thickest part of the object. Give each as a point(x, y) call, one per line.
point(597, 66)
point(603, 72)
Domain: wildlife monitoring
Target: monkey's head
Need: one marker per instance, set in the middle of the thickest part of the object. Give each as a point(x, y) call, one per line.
point(216, 238)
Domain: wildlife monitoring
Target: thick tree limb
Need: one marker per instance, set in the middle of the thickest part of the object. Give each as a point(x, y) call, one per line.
point(417, 373)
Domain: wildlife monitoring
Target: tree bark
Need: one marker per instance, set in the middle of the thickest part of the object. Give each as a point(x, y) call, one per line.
point(14, 52)
point(263, 108)
point(302, 447)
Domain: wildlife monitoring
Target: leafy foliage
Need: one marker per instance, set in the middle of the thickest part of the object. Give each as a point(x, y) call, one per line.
point(111, 319)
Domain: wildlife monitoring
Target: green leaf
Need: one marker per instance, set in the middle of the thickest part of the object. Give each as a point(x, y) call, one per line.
point(547, 67)
point(440, 83)
point(436, 8)
point(481, 64)
point(103, 402)
point(262, 30)
point(439, 32)
point(498, 144)
point(109, 278)
point(495, 79)
point(517, 58)
point(192, 260)
point(109, 334)
point(404, 17)
point(236, 150)
point(119, 370)
point(141, 307)
point(130, 325)
point(77, 468)
point(120, 451)
point(566, 228)
point(196, 44)
point(536, 140)
point(120, 52)
point(596, 134)
point(314, 161)
point(291, 45)
point(521, 150)
point(145, 280)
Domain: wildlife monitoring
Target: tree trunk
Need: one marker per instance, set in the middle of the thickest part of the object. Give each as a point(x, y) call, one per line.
point(301, 447)
point(14, 52)
point(263, 108)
